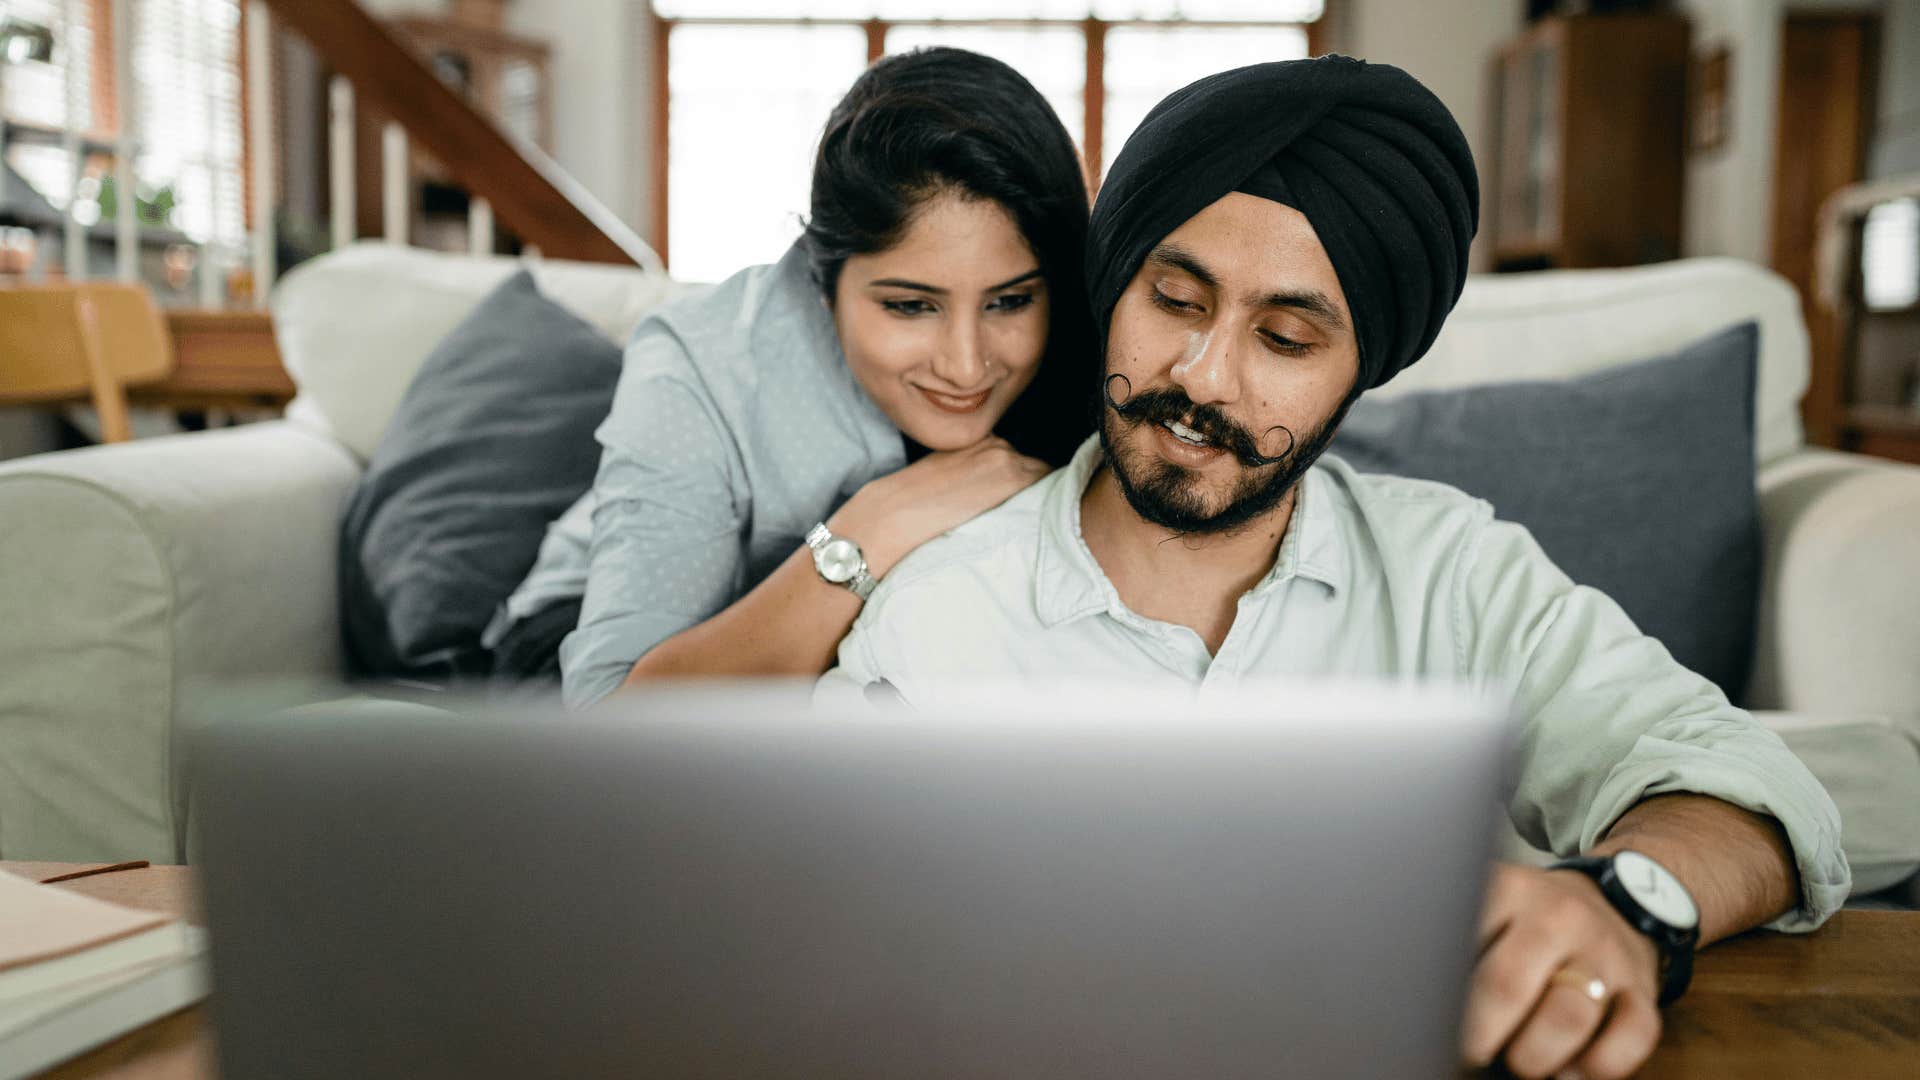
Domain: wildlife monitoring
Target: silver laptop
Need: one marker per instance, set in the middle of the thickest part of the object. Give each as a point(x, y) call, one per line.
point(729, 882)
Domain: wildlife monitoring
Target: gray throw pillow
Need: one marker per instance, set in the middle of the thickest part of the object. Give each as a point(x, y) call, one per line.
point(1637, 480)
point(492, 441)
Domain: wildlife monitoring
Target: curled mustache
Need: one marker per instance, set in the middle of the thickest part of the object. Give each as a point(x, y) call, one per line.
point(1171, 405)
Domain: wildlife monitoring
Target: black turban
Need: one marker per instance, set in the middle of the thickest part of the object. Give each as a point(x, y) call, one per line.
point(1374, 160)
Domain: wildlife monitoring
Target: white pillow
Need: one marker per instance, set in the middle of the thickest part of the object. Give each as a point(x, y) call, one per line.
point(355, 325)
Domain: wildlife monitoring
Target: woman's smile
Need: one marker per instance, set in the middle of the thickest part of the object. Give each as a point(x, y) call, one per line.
point(954, 403)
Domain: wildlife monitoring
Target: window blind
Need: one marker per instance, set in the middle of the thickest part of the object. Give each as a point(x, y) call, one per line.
point(186, 114)
point(36, 93)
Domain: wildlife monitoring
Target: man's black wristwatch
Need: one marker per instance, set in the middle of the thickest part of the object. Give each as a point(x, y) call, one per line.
point(1653, 902)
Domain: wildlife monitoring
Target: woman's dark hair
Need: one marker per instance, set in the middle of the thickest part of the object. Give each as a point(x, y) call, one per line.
point(936, 120)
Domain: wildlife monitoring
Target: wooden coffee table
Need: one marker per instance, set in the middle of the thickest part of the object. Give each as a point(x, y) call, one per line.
point(1843, 1002)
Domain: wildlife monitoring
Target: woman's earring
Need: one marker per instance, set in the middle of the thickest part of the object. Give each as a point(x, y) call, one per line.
point(1106, 388)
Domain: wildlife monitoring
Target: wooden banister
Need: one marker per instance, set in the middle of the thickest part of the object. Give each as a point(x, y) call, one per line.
point(528, 192)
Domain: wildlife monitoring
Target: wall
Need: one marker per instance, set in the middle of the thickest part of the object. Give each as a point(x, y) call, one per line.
point(1729, 190)
point(1896, 150)
point(597, 83)
point(1729, 193)
point(1446, 44)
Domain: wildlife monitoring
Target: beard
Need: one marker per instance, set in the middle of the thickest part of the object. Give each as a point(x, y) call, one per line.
point(1177, 498)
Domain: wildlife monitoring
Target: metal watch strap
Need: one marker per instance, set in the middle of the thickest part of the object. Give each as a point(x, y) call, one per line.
point(861, 584)
point(1675, 946)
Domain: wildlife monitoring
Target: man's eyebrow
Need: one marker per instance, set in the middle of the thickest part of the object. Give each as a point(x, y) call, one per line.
point(1311, 301)
point(903, 283)
point(1179, 258)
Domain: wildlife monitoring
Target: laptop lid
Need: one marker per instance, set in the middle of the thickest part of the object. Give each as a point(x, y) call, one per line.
point(724, 881)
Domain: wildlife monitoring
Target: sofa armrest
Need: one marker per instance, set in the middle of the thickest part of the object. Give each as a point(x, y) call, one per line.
point(1839, 626)
point(132, 573)
point(1872, 770)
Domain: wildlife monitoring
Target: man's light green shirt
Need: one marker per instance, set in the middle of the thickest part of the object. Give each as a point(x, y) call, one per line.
point(1377, 577)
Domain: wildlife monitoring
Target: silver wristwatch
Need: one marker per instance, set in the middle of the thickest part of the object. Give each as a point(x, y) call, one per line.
point(840, 562)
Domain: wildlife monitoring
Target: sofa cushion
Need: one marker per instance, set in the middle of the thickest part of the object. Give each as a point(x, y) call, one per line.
point(355, 325)
point(1638, 481)
point(491, 442)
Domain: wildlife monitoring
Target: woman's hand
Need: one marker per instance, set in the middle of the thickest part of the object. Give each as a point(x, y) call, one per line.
point(898, 512)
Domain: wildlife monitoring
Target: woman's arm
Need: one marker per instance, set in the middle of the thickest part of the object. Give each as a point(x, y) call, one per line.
point(788, 624)
point(791, 623)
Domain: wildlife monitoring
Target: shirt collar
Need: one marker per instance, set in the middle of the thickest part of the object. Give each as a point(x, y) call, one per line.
point(1069, 584)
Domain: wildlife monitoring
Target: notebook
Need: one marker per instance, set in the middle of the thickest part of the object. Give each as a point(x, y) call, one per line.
point(76, 972)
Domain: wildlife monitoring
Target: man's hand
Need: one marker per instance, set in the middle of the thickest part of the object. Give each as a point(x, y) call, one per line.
point(1546, 938)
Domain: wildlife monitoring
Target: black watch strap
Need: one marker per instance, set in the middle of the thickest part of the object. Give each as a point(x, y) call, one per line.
point(1675, 944)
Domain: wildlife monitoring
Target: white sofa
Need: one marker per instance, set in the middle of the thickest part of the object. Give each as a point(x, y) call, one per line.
point(133, 577)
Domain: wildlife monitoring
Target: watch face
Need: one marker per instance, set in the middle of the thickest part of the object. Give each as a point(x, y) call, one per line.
point(839, 560)
point(1655, 890)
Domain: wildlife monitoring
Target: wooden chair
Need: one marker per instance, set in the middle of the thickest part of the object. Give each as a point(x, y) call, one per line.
point(81, 342)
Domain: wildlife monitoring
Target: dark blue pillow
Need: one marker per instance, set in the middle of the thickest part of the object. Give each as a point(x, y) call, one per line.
point(490, 443)
point(1637, 480)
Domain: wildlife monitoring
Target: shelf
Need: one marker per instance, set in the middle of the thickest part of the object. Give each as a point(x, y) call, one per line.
point(1885, 420)
point(1522, 251)
point(1889, 313)
point(44, 134)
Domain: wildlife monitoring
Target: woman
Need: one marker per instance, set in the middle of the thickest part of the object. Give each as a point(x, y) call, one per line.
point(920, 355)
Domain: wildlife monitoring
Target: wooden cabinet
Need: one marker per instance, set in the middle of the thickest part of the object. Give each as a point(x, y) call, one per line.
point(1589, 127)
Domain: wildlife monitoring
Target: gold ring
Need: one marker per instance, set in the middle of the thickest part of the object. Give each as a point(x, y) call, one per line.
point(1588, 985)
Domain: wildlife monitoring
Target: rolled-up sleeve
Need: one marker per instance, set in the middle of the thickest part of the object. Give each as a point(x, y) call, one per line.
point(667, 550)
point(1608, 718)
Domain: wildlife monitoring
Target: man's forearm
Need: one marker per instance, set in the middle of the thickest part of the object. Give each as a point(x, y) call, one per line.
point(1736, 863)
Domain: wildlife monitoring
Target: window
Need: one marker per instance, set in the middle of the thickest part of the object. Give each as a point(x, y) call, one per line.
point(33, 96)
point(749, 104)
point(750, 83)
point(1053, 58)
point(182, 109)
point(36, 93)
point(1890, 256)
point(1146, 63)
point(186, 113)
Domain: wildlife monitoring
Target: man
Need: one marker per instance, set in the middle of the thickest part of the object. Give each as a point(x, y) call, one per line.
point(1272, 242)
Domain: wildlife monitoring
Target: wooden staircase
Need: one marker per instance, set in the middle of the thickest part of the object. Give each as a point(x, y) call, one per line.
point(528, 192)
point(229, 358)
